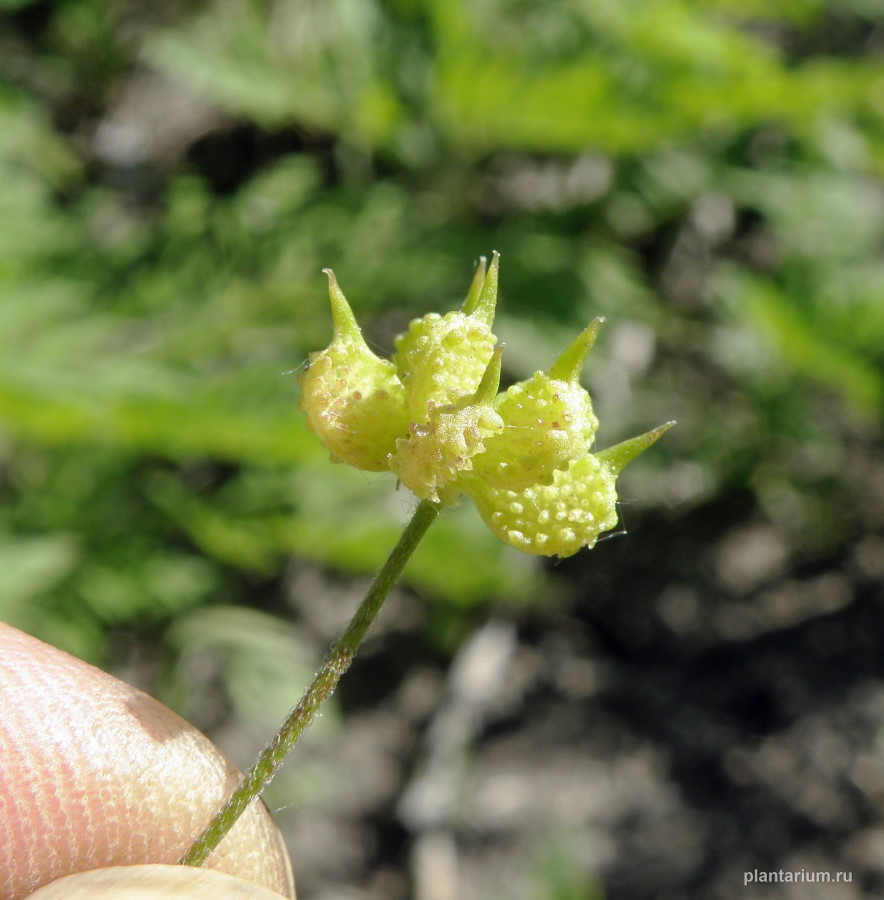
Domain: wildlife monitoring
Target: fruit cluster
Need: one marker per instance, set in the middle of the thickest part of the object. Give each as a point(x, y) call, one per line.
point(433, 415)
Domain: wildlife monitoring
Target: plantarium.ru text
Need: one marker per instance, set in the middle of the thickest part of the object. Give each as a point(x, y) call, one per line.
point(433, 416)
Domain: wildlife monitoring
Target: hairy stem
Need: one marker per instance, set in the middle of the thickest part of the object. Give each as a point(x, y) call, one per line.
point(336, 662)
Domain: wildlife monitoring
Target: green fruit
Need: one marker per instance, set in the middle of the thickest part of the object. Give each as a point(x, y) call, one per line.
point(555, 519)
point(549, 423)
point(353, 400)
point(434, 417)
point(435, 453)
point(441, 359)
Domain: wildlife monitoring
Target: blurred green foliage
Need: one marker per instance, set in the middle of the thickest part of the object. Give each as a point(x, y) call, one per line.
point(558, 873)
point(705, 174)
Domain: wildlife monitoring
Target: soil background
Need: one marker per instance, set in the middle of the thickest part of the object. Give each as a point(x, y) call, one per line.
point(703, 704)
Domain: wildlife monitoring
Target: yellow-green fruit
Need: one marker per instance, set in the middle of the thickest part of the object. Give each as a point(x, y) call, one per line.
point(555, 519)
point(441, 359)
point(548, 424)
point(436, 452)
point(353, 400)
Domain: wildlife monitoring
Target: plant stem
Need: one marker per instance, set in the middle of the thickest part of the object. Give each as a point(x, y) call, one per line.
point(336, 662)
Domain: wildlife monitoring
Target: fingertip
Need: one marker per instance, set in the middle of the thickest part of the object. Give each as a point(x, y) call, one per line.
point(96, 773)
point(153, 882)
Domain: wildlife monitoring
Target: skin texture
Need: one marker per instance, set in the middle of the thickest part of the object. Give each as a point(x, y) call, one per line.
point(94, 773)
point(153, 883)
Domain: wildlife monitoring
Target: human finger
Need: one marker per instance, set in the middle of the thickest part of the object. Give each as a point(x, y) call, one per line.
point(95, 773)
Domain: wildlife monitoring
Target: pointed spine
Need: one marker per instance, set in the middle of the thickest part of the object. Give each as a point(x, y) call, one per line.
point(569, 365)
point(475, 287)
point(482, 308)
point(344, 321)
point(616, 458)
point(486, 392)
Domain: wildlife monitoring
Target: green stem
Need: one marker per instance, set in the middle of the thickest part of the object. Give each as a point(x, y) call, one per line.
point(324, 682)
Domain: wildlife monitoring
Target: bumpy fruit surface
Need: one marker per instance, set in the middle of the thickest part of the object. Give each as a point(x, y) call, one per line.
point(441, 359)
point(552, 519)
point(436, 452)
point(353, 400)
point(549, 423)
point(434, 417)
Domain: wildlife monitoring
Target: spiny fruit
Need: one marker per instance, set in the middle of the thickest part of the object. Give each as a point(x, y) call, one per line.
point(549, 423)
point(552, 519)
point(435, 453)
point(434, 417)
point(353, 400)
point(570, 512)
point(441, 359)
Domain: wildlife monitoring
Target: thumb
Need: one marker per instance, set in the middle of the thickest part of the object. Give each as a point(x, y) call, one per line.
point(94, 773)
point(153, 883)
